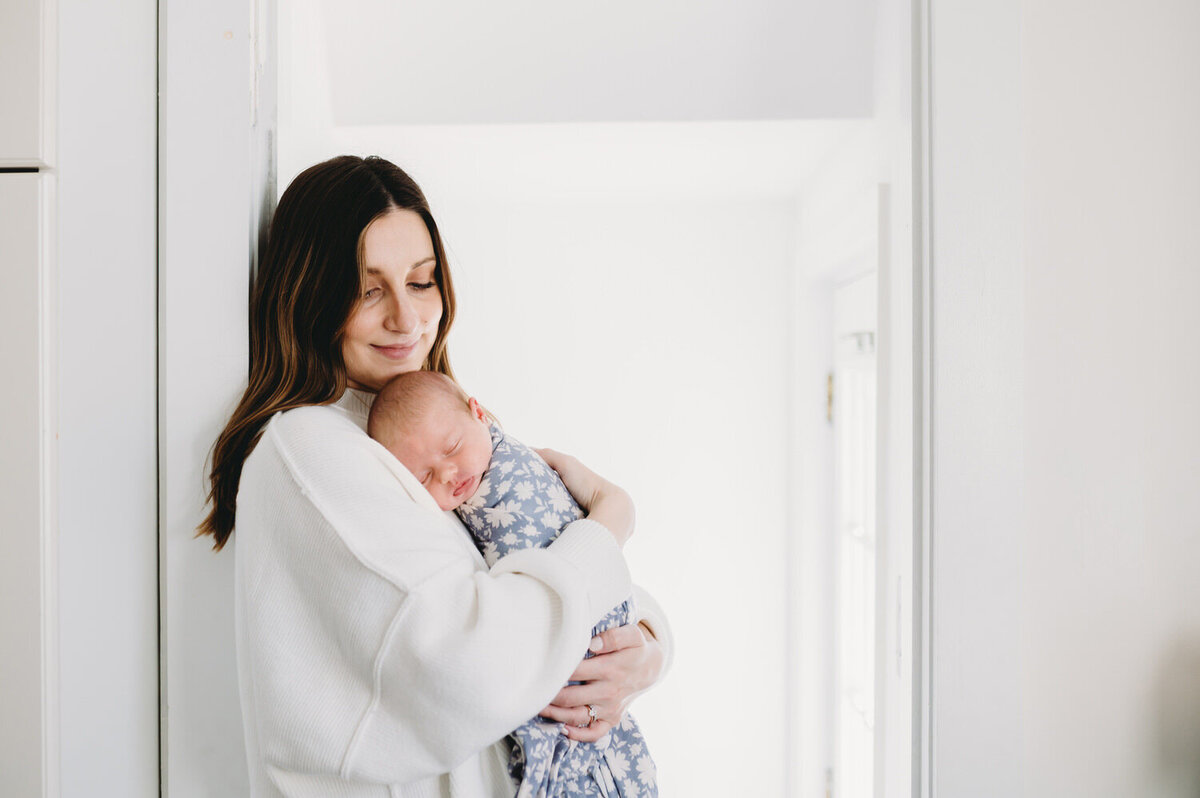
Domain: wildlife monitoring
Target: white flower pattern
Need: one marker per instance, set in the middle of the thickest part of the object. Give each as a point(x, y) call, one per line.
point(520, 494)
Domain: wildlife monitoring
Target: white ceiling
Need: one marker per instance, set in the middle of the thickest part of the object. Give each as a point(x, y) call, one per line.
point(551, 61)
point(704, 100)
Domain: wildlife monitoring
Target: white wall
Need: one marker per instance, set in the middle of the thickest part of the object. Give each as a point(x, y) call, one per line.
point(899, 370)
point(210, 182)
point(108, 572)
point(1112, 404)
point(978, 383)
point(648, 338)
point(1065, 252)
point(836, 240)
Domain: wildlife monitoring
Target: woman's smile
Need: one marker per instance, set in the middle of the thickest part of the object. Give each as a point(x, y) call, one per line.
point(393, 328)
point(396, 351)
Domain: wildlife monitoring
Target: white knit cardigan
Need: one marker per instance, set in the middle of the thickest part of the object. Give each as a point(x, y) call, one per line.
point(377, 654)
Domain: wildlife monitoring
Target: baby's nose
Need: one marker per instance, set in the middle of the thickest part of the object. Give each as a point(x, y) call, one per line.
point(449, 472)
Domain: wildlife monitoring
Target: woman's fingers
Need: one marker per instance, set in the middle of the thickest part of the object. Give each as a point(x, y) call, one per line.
point(572, 716)
point(621, 638)
point(579, 695)
point(589, 670)
point(572, 472)
point(609, 680)
point(617, 638)
point(583, 483)
point(553, 457)
point(591, 734)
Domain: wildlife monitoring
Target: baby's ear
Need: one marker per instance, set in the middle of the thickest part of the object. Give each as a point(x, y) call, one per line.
point(477, 409)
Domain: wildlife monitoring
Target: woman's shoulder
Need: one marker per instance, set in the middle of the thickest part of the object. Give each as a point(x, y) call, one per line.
point(346, 417)
point(305, 437)
point(322, 448)
point(315, 466)
point(299, 440)
point(313, 418)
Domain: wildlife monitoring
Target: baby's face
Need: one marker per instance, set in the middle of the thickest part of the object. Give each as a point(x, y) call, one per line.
point(448, 451)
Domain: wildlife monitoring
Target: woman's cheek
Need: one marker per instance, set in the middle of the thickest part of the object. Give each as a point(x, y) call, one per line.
point(433, 310)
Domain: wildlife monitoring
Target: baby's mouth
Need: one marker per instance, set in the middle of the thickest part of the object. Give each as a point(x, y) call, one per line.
point(461, 487)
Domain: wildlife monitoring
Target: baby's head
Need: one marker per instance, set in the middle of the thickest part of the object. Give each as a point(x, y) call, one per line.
point(439, 433)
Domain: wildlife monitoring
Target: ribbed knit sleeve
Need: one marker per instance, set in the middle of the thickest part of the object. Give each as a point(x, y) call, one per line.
point(653, 616)
point(374, 645)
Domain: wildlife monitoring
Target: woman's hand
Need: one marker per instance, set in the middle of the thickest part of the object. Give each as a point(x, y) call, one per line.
point(628, 661)
point(604, 502)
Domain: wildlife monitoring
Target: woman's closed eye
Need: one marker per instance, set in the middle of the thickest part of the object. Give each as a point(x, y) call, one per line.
point(422, 286)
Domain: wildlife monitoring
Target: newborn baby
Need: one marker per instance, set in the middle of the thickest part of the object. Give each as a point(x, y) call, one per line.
point(509, 499)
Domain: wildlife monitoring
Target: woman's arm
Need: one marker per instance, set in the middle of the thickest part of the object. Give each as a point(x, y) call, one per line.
point(378, 646)
point(629, 659)
point(603, 501)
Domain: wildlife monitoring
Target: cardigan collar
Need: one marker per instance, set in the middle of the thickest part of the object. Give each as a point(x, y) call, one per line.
point(357, 405)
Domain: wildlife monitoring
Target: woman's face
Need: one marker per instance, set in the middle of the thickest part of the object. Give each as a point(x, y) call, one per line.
point(394, 325)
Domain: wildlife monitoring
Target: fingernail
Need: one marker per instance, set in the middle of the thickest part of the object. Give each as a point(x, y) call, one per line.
point(562, 729)
point(596, 644)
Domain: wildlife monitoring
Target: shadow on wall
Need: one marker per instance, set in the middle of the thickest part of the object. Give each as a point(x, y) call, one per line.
point(1179, 715)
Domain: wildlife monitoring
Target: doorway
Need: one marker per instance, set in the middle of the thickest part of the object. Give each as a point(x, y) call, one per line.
point(732, 233)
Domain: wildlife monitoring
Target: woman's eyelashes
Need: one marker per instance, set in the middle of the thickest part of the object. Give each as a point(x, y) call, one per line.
point(376, 291)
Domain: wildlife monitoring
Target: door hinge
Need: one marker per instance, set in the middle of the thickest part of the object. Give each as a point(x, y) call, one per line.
point(829, 398)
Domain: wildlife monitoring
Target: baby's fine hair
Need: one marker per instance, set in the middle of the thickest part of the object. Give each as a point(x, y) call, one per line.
point(407, 398)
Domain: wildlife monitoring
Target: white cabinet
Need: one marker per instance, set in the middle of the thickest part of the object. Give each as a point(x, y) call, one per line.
point(26, 85)
point(26, 641)
point(28, 630)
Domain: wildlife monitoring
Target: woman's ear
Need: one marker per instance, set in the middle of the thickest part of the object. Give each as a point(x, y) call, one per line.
point(477, 409)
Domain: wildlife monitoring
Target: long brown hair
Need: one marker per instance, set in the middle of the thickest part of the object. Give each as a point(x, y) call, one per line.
point(309, 282)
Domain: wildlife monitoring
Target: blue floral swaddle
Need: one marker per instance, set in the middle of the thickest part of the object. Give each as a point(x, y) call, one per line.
point(522, 504)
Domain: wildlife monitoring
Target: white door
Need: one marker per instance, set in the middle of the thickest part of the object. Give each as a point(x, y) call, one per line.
point(26, 94)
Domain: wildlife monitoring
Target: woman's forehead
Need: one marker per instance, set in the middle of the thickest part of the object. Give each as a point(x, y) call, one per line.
point(397, 242)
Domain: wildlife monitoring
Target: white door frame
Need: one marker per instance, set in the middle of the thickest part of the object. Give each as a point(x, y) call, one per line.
point(216, 134)
point(216, 170)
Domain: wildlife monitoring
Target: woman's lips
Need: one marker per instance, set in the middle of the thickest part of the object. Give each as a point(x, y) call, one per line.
point(396, 352)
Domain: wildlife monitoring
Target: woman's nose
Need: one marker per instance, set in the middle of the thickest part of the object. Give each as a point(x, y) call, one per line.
point(402, 316)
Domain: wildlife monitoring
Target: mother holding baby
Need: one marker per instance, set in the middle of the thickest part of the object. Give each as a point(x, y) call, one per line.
point(377, 653)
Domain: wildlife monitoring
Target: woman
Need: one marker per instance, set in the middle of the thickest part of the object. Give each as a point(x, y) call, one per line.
point(377, 654)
